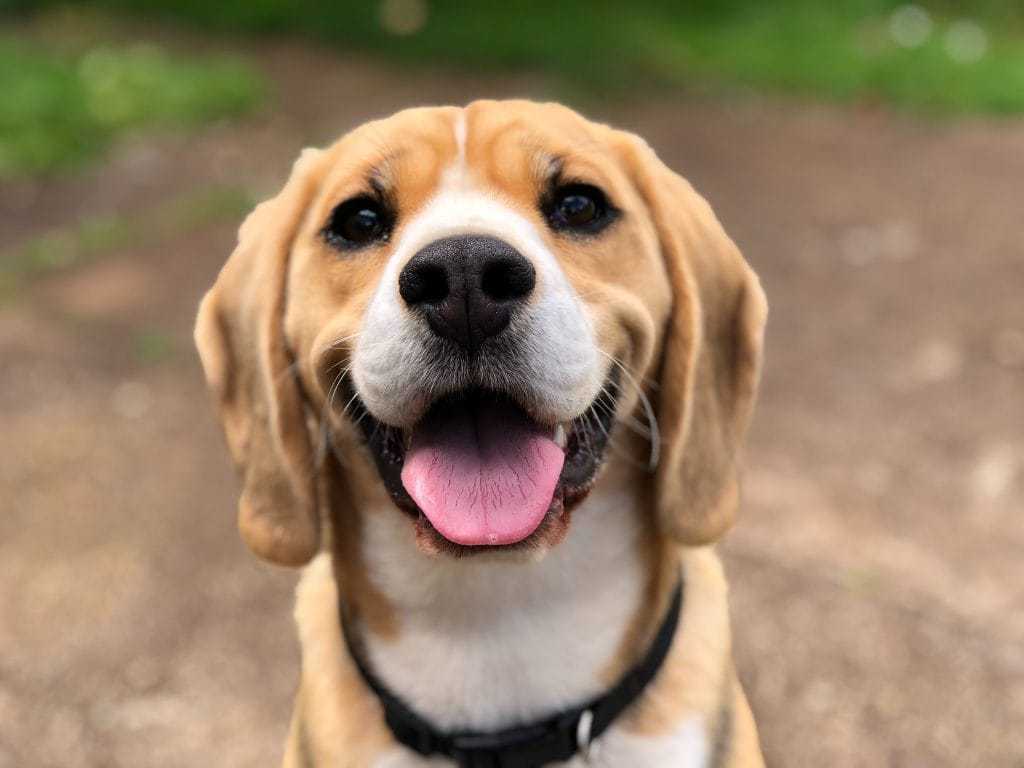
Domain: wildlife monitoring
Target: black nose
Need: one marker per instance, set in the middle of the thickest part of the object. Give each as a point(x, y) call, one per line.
point(467, 286)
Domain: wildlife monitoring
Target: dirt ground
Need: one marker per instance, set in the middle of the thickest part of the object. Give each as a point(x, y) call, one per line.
point(877, 575)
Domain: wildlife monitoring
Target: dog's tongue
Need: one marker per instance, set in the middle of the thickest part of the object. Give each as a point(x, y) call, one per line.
point(482, 472)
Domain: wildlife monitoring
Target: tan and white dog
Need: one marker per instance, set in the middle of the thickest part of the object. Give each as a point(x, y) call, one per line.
point(487, 371)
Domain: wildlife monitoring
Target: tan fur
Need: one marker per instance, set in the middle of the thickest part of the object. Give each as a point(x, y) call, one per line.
point(338, 719)
point(351, 576)
point(712, 354)
point(703, 644)
point(246, 359)
point(745, 747)
point(670, 297)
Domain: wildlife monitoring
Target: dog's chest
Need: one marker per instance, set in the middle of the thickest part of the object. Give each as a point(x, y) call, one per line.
point(501, 648)
point(501, 644)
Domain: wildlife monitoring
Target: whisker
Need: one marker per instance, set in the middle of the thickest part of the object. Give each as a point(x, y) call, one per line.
point(654, 438)
point(333, 391)
point(629, 422)
point(605, 403)
point(348, 405)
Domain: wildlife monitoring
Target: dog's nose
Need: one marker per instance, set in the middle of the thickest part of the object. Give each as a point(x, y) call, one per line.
point(467, 286)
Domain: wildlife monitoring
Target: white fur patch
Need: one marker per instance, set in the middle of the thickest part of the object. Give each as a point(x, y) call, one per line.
point(488, 641)
point(496, 639)
point(460, 139)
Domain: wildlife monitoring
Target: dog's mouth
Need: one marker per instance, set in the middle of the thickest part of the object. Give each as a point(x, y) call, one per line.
point(477, 471)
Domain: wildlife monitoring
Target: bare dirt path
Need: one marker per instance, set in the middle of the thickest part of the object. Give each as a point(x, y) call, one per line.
point(878, 582)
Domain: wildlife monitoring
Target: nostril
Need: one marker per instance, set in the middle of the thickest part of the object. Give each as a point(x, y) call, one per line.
point(425, 283)
point(507, 279)
point(466, 287)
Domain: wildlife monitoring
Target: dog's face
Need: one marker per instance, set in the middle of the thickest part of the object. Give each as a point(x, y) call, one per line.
point(469, 301)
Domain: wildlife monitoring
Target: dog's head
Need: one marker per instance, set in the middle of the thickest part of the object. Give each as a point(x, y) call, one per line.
point(466, 303)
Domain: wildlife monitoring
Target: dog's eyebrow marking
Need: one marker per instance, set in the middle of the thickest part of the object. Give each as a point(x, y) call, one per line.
point(378, 181)
point(553, 170)
point(379, 172)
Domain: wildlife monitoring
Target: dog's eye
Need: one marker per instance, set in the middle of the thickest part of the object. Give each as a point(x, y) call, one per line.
point(579, 208)
point(357, 223)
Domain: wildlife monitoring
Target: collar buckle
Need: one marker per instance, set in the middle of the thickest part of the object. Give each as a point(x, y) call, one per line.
point(585, 745)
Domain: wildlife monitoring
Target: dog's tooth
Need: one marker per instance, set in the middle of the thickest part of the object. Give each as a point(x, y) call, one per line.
point(560, 437)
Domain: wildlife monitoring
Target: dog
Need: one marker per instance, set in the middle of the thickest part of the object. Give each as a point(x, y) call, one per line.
point(486, 372)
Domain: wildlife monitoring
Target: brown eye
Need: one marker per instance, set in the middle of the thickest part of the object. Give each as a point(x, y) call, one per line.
point(357, 223)
point(579, 208)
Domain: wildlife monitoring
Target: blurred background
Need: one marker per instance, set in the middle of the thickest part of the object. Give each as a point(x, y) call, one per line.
point(867, 156)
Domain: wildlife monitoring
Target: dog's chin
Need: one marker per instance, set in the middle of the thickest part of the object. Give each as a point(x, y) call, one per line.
point(524, 478)
point(547, 535)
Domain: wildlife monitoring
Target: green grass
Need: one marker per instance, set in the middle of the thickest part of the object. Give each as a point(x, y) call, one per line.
point(96, 236)
point(58, 109)
point(834, 49)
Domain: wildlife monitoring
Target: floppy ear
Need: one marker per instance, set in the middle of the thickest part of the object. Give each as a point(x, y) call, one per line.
point(248, 366)
point(711, 359)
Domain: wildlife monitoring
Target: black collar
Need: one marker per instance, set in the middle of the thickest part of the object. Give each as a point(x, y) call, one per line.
point(556, 738)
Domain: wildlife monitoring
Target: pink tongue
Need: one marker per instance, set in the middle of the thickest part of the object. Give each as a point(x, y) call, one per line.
point(482, 473)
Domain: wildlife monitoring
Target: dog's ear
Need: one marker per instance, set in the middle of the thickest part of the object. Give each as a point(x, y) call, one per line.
point(249, 369)
point(711, 355)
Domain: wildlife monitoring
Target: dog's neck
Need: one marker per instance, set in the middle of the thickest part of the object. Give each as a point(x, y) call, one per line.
point(487, 642)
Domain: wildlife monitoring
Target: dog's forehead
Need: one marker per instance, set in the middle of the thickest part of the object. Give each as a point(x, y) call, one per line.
point(526, 125)
point(502, 144)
